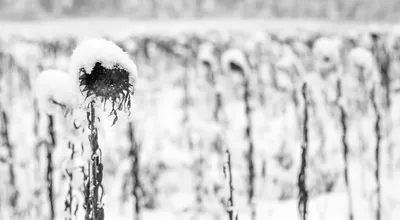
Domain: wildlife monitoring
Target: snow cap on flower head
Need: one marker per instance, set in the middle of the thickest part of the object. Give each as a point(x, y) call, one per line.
point(105, 74)
point(361, 57)
point(109, 55)
point(326, 47)
point(235, 60)
point(363, 66)
point(55, 91)
point(326, 55)
point(207, 54)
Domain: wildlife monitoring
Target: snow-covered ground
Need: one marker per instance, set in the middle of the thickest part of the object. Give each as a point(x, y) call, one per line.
point(172, 145)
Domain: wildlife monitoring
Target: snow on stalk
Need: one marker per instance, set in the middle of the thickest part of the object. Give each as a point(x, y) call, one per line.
point(103, 73)
point(74, 172)
point(228, 174)
point(69, 200)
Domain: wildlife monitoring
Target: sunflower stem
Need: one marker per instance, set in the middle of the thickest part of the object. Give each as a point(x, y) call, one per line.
point(11, 169)
point(343, 123)
point(377, 128)
point(49, 154)
point(94, 207)
point(134, 155)
point(303, 193)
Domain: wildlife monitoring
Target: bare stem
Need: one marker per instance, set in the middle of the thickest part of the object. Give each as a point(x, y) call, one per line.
point(303, 194)
point(343, 119)
point(11, 170)
point(377, 153)
point(228, 173)
point(250, 153)
point(69, 200)
point(95, 204)
point(134, 154)
point(50, 148)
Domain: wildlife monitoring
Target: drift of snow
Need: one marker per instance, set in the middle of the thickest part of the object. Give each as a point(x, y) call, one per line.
point(87, 54)
point(55, 89)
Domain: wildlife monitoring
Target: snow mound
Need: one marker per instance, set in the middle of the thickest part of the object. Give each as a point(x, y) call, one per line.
point(54, 90)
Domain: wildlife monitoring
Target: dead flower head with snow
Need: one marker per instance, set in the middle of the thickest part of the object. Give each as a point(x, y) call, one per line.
point(54, 90)
point(105, 74)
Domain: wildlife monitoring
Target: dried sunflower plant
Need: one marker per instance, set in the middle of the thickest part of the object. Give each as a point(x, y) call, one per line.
point(55, 98)
point(236, 61)
point(105, 77)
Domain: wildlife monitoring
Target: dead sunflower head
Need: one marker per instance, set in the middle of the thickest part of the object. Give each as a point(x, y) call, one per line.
point(105, 74)
point(55, 93)
point(235, 60)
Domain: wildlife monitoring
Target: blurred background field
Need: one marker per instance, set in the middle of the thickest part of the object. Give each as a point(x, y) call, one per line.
point(121, 27)
point(165, 9)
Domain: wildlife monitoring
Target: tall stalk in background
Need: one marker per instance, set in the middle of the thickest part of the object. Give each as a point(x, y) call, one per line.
point(249, 133)
point(228, 174)
point(134, 153)
point(377, 128)
point(209, 64)
point(49, 170)
point(70, 208)
point(301, 182)
point(208, 60)
point(187, 104)
point(343, 124)
point(14, 194)
point(235, 60)
point(384, 62)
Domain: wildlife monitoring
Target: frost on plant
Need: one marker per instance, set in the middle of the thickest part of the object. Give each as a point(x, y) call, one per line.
point(105, 74)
